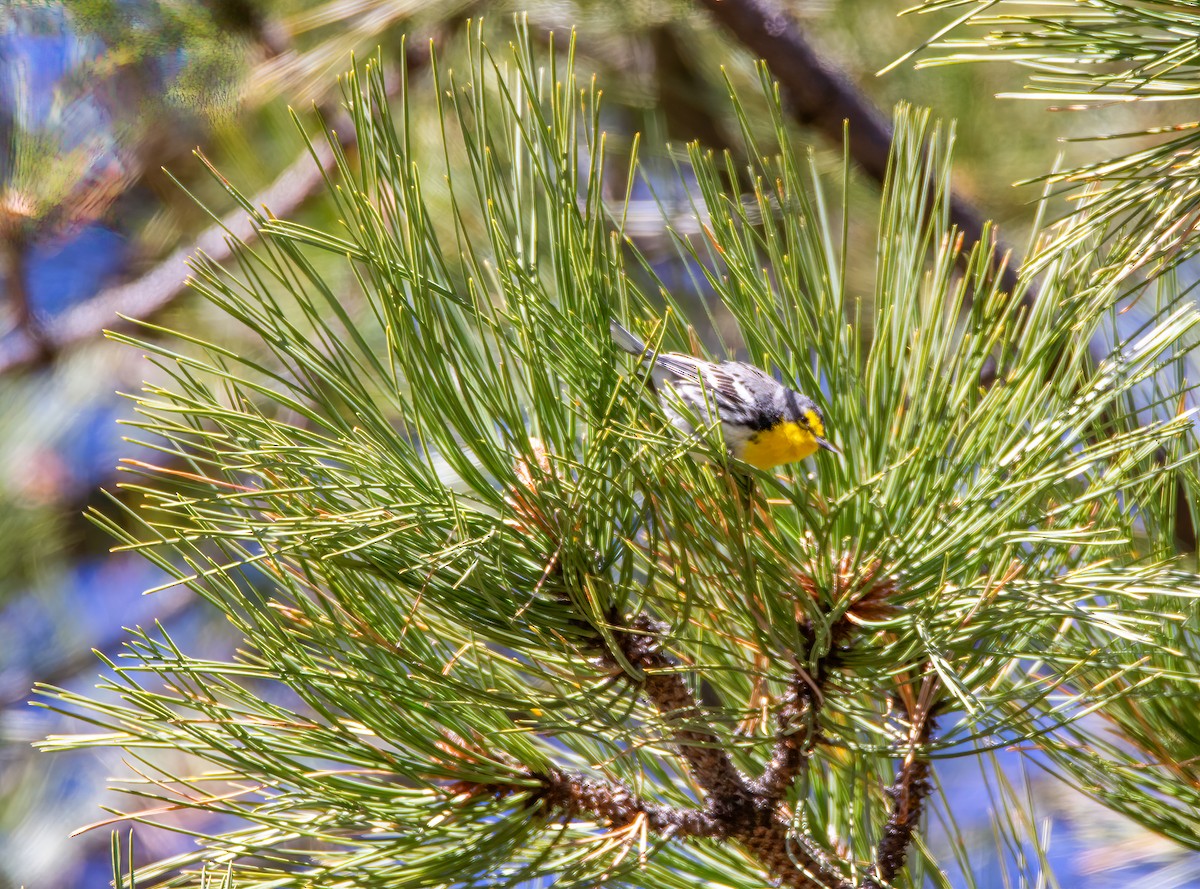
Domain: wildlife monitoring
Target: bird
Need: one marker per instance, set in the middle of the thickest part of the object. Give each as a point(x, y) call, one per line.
point(765, 424)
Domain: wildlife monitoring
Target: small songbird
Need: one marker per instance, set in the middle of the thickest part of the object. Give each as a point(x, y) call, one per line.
point(764, 423)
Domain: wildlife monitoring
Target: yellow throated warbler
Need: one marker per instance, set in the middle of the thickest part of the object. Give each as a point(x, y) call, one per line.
point(764, 423)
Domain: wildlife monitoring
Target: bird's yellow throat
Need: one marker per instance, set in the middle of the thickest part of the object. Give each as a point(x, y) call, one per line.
point(785, 442)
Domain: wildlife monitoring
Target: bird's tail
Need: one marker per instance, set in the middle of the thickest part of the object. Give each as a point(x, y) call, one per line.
point(626, 340)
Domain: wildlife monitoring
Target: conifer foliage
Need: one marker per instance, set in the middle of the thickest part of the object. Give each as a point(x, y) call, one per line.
point(499, 623)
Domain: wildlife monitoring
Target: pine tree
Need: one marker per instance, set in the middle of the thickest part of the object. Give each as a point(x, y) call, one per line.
point(501, 626)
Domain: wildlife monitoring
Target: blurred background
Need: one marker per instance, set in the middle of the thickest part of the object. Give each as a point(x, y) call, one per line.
point(102, 104)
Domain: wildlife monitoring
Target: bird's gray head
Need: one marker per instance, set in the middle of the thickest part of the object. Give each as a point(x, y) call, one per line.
point(803, 411)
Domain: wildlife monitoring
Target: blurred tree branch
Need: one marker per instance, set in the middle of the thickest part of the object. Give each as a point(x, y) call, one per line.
point(684, 94)
point(12, 272)
point(819, 95)
point(120, 307)
point(17, 690)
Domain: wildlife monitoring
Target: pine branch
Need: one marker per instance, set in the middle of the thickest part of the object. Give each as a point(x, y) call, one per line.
point(738, 808)
point(664, 687)
point(619, 806)
point(1114, 52)
point(492, 590)
point(797, 720)
point(735, 807)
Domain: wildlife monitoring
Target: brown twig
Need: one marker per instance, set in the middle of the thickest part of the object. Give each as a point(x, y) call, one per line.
point(822, 97)
point(663, 686)
point(797, 720)
point(615, 804)
point(908, 791)
point(735, 804)
point(869, 590)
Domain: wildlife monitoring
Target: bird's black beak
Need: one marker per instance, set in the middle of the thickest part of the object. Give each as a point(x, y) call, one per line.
point(829, 447)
